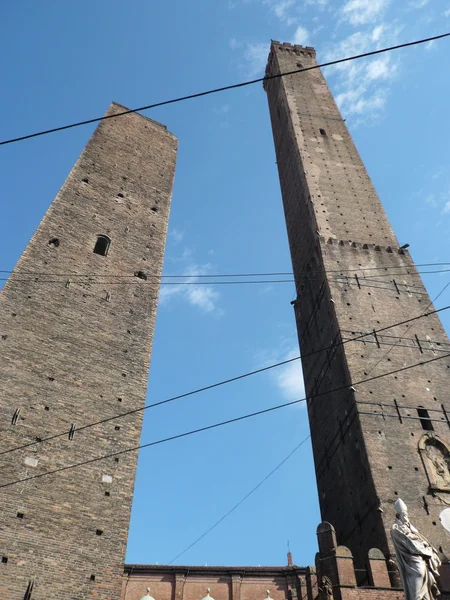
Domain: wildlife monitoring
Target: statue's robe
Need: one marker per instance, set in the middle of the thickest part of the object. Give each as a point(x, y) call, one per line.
point(417, 561)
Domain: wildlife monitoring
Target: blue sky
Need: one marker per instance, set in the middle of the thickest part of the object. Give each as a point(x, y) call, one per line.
point(63, 62)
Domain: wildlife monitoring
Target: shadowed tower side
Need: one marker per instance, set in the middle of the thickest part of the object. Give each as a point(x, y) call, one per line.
point(77, 318)
point(388, 438)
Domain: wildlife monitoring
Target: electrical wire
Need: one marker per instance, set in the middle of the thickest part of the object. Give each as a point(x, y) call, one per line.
point(273, 274)
point(224, 88)
point(140, 281)
point(241, 501)
point(215, 425)
point(220, 383)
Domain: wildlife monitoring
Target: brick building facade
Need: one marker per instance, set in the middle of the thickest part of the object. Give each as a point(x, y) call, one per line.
point(75, 349)
point(387, 438)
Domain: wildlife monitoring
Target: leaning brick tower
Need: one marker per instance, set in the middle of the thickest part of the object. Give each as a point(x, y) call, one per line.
point(387, 438)
point(77, 318)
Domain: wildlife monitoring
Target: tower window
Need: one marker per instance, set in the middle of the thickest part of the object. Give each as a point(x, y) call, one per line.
point(425, 420)
point(102, 245)
point(323, 132)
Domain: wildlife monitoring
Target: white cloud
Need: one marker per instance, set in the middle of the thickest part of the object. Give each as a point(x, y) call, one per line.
point(362, 12)
point(418, 3)
point(254, 56)
point(430, 45)
point(301, 36)
point(202, 296)
point(362, 87)
point(176, 235)
point(289, 378)
point(446, 13)
point(282, 10)
point(446, 208)
point(431, 200)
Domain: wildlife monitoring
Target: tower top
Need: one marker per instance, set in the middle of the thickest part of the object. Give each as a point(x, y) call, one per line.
point(307, 52)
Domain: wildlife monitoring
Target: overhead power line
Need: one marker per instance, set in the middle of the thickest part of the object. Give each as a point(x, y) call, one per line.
point(215, 425)
point(339, 432)
point(218, 275)
point(241, 501)
point(220, 383)
point(137, 280)
point(223, 89)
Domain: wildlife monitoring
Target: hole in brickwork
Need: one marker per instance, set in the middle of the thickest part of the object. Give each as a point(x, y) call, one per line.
point(434, 522)
point(54, 242)
point(425, 421)
point(416, 468)
point(120, 195)
point(390, 468)
point(154, 208)
point(117, 427)
point(102, 245)
point(108, 494)
point(140, 275)
point(99, 532)
point(4, 559)
point(92, 578)
point(85, 180)
point(20, 515)
point(51, 378)
point(116, 460)
point(4, 337)
point(119, 399)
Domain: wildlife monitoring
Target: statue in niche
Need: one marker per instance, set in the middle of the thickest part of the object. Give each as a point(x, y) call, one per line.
point(436, 459)
point(417, 560)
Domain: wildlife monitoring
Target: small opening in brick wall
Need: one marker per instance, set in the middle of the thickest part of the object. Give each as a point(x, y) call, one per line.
point(119, 399)
point(116, 459)
point(46, 408)
point(20, 515)
point(117, 427)
point(4, 559)
point(140, 275)
point(85, 180)
point(390, 468)
point(108, 494)
point(51, 378)
point(434, 522)
point(416, 468)
point(99, 532)
point(322, 132)
point(120, 195)
point(92, 578)
point(54, 242)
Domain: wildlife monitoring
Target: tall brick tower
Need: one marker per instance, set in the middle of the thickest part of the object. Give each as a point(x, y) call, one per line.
point(76, 321)
point(387, 438)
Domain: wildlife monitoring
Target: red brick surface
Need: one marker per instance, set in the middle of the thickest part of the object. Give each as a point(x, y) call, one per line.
point(72, 346)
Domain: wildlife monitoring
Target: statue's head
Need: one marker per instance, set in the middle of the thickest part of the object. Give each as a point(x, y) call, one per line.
point(401, 511)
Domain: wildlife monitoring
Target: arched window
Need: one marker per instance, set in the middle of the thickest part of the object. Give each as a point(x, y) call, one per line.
point(102, 245)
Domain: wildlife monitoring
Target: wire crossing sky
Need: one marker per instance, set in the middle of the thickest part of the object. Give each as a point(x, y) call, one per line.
point(226, 88)
point(227, 219)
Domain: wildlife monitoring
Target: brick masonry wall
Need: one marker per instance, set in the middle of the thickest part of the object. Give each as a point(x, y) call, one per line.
point(335, 222)
point(76, 350)
point(226, 583)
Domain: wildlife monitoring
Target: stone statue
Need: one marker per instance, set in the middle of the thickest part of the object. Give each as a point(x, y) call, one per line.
point(147, 596)
point(208, 595)
point(326, 589)
point(417, 560)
